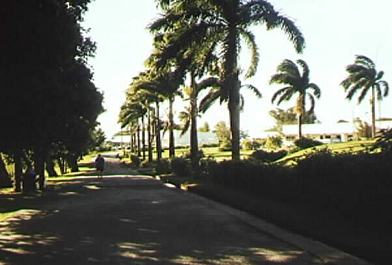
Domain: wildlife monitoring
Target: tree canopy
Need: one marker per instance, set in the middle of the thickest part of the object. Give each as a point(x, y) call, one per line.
point(48, 97)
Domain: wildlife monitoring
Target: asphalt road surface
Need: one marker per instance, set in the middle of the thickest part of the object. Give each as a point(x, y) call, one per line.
point(136, 220)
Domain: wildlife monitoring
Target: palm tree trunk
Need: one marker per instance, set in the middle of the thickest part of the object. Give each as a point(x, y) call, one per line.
point(172, 151)
point(138, 140)
point(158, 133)
point(193, 134)
point(143, 139)
point(232, 86)
point(18, 171)
point(130, 140)
point(299, 126)
point(373, 106)
point(300, 109)
point(149, 135)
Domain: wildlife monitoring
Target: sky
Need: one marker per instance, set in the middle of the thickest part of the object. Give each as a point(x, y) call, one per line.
point(334, 30)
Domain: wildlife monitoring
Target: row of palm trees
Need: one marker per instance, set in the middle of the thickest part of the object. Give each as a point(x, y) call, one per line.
point(197, 46)
point(198, 38)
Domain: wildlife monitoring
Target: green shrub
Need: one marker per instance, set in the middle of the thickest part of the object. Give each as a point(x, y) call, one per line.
point(264, 180)
point(210, 145)
point(135, 161)
point(264, 156)
point(146, 164)
point(162, 166)
point(225, 145)
point(181, 167)
point(303, 143)
point(251, 144)
point(273, 142)
point(200, 155)
point(205, 167)
point(356, 185)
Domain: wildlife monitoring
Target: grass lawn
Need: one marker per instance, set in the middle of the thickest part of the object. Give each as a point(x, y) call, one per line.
point(351, 147)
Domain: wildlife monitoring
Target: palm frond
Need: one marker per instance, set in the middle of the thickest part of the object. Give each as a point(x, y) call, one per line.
point(293, 32)
point(363, 93)
point(279, 93)
point(366, 61)
point(184, 117)
point(209, 82)
point(209, 100)
point(289, 67)
point(242, 102)
point(286, 96)
point(315, 89)
point(385, 85)
point(251, 42)
point(254, 89)
point(312, 103)
point(282, 78)
point(305, 69)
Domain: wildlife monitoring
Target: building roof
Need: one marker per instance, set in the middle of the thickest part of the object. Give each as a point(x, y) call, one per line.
point(329, 128)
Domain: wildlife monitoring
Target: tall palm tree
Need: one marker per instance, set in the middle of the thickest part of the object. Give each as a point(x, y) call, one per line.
point(297, 82)
point(363, 78)
point(223, 24)
point(196, 61)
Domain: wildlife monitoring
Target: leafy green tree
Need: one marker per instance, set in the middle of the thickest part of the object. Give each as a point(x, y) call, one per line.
point(297, 82)
point(98, 138)
point(38, 101)
point(224, 136)
point(223, 24)
point(362, 79)
point(205, 127)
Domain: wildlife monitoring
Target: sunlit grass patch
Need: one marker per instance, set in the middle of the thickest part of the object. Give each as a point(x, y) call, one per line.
point(348, 147)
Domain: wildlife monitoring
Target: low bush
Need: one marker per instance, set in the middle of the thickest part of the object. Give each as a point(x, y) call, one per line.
point(265, 180)
point(163, 166)
point(356, 185)
point(181, 167)
point(135, 161)
point(225, 145)
point(273, 142)
point(251, 144)
point(303, 143)
point(209, 145)
point(205, 167)
point(264, 156)
point(200, 155)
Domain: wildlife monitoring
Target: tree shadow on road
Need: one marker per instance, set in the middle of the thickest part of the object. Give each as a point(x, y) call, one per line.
point(121, 221)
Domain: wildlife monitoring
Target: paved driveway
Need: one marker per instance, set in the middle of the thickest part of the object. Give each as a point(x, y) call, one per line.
point(136, 220)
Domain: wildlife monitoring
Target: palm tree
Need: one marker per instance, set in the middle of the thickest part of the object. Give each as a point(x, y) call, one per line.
point(221, 25)
point(297, 82)
point(362, 78)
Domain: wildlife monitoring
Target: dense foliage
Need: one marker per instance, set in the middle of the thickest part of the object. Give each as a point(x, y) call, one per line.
point(49, 103)
point(357, 186)
point(306, 143)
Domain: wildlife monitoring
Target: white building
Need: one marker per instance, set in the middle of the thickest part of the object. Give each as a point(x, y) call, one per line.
point(329, 132)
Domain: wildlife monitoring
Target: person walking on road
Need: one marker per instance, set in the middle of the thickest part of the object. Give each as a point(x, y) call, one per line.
point(100, 165)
